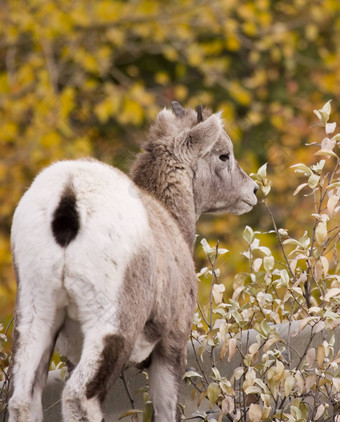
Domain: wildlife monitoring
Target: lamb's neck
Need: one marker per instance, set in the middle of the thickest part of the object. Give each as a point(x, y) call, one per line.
point(174, 191)
point(179, 201)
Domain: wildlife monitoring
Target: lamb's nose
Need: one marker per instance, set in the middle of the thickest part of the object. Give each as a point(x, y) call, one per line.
point(255, 190)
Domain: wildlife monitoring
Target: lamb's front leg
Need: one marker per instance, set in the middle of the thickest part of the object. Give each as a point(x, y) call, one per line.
point(166, 372)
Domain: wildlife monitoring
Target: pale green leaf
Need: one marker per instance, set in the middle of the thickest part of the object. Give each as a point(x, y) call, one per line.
point(248, 234)
point(313, 181)
point(213, 391)
point(302, 168)
point(262, 171)
point(321, 232)
point(268, 263)
point(191, 374)
point(130, 412)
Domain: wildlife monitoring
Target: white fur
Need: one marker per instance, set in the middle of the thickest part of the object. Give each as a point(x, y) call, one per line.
point(142, 349)
point(163, 391)
point(57, 283)
point(107, 202)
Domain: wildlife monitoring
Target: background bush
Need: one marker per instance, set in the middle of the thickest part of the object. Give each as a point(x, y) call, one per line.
point(86, 77)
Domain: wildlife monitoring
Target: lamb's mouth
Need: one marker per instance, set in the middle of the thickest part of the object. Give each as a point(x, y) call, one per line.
point(224, 209)
point(250, 203)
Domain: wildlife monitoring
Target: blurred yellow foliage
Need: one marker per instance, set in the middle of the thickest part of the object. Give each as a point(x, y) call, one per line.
point(85, 77)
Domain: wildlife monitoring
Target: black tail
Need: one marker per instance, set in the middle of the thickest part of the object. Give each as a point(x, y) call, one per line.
point(65, 223)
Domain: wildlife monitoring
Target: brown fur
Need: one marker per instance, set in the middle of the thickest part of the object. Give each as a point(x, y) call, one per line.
point(180, 168)
point(112, 353)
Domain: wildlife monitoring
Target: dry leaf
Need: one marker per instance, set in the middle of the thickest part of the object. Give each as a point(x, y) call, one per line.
point(310, 357)
point(228, 405)
point(321, 355)
point(255, 413)
point(319, 412)
point(232, 348)
point(331, 204)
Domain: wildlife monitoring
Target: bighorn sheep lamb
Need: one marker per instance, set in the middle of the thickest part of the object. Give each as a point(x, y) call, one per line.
point(104, 264)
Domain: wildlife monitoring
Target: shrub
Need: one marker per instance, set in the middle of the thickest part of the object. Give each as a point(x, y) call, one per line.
point(298, 287)
point(4, 376)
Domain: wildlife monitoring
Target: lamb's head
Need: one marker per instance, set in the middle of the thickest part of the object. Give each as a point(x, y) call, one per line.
point(198, 141)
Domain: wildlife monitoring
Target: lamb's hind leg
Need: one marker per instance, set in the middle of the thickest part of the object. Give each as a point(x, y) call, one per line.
point(36, 329)
point(166, 371)
point(103, 358)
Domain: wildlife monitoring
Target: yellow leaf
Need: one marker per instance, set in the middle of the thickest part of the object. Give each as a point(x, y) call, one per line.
point(132, 113)
point(162, 78)
point(213, 392)
point(311, 32)
point(232, 42)
point(249, 28)
point(170, 53)
point(266, 412)
point(49, 140)
point(239, 93)
point(67, 102)
point(195, 56)
point(181, 92)
point(107, 108)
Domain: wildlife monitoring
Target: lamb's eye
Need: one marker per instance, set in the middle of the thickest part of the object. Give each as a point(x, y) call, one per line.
point(224, 157)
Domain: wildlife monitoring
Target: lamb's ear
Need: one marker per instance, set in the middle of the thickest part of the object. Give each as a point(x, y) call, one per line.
point(203, 136)
point(178, 108)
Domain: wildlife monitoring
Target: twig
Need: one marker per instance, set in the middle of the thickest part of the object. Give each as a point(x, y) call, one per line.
point(52, 405)
point(197, 360)
point(202, 313)
point(279, 238)
point(122, 376)
point(9, 324)
point(213, 276)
